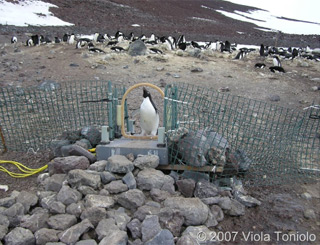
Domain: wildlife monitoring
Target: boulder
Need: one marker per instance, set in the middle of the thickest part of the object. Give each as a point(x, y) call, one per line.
point(119, 164)
point(73, 234)
point(130, 180)
point(92, 134)
point(205, 189)
point(62, 221)
point(79, 177)
point(116, 186)
point(186, 187)
point(193, 210)
point(45, 235)
point(131, 199)
point(137, 48)
point(61, 165)
point(150, 227)
point(20, 236)
point(67, 195)
point(98, 201)
point(150, 178)
point(146, 161)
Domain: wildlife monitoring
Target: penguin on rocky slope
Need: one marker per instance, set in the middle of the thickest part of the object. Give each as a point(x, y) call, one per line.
point(149, 116)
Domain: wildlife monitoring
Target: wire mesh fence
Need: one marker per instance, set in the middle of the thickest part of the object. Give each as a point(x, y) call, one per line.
point(32, 117)
point(260, 142)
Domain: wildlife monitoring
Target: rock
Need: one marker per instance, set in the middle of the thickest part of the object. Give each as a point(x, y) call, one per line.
point(56, 207)
point(62, 221)
point(211, 221)
point(86, 190)
point(106, 177)
point(92, 134)
point(7, 201)
point(75, 209)
point(217, 212)
point(120, 217)
point(186, 187)
point(211, 200)
point(98, 201)
point(76, 150)
point(86, 242)
point(56, 146)
point(246, 200)
point(105, 227)
point(196, 176)
point(131, 199)
point(116, 186)
point(163, 237)
point(205, 189)
point(150, 227)
point(224, 203)
point(98, 166)
point(130, 180)
point(71, 136)
point(36, 221)
point(137, 48)
point(20, 236)
point(150, 178)
point(27, 199)
point(84, 143)
point(67, 195)
point(193, 210)
point(145, 210)
point(315, 88)
point(302, 63)
point(315, 79)
point(199, 233)
point(54, 183)
point(306, 196)
point(244, 161)
point(119, 164)
point(236, 209)
point(146, 161)
point(310, 214)
point(44, 235)
point(130, 157)
point(172, 220)
point(197, 69)
point(274, 97)
point(187, 240)
point(159, 195)
point(14, 214)
point(62, 165)
point(115, 237)
point(73, 234)
point(49, 86)
point(224, 89)
point(3, 232)
point(94, 214)
point(134, 227)
point(4, 221)
point(79, 177)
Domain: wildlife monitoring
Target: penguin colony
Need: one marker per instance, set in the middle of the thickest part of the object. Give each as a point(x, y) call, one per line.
point(157, 45)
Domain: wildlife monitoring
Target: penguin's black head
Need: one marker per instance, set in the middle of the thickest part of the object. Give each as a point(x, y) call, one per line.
point(146, 93)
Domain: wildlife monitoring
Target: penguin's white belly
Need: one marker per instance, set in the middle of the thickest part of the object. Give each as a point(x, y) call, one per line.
point(149, 119)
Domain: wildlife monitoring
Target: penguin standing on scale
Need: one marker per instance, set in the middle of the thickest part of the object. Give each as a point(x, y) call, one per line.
point(149, 116)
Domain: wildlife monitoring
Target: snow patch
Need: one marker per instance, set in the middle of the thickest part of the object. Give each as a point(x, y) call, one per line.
point(24, 13)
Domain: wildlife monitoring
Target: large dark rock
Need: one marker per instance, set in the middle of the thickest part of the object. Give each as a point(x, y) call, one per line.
point(205, 189)
point(73, 234)
point(62, 165)
point(131, 199)
point(186, 187)
point(20, 236)
point(137, 48)
point(78, 177)
point(92, 134)
point(119, 164)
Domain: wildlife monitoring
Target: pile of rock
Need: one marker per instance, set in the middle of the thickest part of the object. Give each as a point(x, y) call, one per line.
point(121, 200)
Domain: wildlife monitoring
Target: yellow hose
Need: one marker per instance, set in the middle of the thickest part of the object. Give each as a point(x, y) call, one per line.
point(26, 172)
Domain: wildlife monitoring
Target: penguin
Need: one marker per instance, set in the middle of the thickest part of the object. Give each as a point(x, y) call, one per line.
point(65, 37)
point(173, 41)
point(35, 40)
point(276, 61)
point(261, 51)
point(155, 51)
point(182, 46)
point(14, 39)
point(227, 47)
point(93, 49)
point(260, 65)
point(29, 42)
point(181, 39)
point(111, 43)
point(81, 44)
point(47, 39)
point(57, 40)
point(149, 116)
point(240, 55)
point(117, 49)
point(276, 69)
point(100, 38)
point(71, 39)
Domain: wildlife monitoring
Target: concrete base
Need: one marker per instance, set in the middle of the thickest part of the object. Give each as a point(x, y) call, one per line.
point(125, 146)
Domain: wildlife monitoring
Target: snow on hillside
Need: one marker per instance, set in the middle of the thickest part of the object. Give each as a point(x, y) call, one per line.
point(29, 13)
